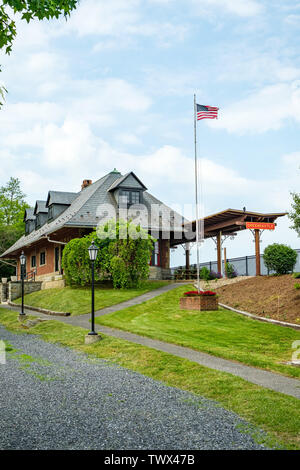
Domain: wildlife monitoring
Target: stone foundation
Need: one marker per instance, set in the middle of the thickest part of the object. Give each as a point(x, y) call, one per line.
point(158, 273)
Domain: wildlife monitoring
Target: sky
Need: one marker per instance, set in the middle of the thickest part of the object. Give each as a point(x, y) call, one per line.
point(113, 87)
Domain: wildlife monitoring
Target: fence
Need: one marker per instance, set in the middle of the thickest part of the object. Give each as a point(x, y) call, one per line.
point(244, 266)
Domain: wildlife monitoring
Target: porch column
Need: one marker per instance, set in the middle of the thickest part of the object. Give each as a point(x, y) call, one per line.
point(257, 251)
point(219, 254)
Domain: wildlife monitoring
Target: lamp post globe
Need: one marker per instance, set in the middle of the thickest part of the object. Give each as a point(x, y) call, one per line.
point(93, 251)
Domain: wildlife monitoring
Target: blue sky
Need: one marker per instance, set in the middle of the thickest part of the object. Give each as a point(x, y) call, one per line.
point(113, 87)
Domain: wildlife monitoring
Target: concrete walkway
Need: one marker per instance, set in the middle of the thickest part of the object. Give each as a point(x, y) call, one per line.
point(270, 380)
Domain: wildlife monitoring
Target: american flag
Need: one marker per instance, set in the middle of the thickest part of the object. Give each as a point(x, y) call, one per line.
point(206, 112)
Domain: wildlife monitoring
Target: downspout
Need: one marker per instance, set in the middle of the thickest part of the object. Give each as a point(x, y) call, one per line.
point(54, 241)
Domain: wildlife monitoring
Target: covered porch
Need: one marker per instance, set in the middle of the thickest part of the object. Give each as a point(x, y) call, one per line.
point(227, 223)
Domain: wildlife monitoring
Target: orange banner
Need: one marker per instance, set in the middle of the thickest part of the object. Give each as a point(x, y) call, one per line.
point(260, 225)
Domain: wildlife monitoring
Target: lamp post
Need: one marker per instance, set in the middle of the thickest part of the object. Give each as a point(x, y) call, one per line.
point(92, 336)
point(23, 264)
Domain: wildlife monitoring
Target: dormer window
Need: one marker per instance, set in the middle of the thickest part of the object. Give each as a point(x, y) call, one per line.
point(37, 221)
point(50, 212)
point(129, 197)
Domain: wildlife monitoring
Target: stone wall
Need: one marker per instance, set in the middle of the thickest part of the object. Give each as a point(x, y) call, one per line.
point(15, 289)
point(3, 291)
point(157, 273)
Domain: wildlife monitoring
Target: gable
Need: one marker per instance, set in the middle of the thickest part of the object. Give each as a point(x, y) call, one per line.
point(130, 181)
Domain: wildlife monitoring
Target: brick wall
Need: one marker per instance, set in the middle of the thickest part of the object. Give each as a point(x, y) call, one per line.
point(47, 270)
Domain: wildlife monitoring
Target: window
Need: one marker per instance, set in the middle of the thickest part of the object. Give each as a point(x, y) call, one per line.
point(129, 197)
point(50, 212)
point(56, 258)
point(135, 197)
point(33, 261)
point(42, 258)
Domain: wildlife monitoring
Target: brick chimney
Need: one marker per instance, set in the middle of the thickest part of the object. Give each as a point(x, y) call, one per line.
point(85, 184)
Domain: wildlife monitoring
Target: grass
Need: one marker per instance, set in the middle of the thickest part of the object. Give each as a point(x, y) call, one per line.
point(222, 333)
point(77, 301)
point(275, 413)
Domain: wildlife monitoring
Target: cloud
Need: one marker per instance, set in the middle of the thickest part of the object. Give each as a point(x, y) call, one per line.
point(264, 110)
point(242, 8)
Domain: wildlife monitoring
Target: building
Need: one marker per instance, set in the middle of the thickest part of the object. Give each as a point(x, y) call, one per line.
point(52, 223)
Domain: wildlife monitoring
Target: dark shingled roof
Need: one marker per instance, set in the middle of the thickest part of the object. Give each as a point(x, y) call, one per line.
point(29, 214)
point(60, 197)
point(40, 206)
point(82, 212)
point(120, 180)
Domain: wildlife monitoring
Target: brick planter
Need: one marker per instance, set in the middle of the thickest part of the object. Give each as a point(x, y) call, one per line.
point(199, 302)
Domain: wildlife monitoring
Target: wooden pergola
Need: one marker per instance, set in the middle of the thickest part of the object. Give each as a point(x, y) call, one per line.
point(229, 222)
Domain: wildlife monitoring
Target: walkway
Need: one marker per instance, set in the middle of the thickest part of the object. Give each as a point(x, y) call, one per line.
point(270, 380)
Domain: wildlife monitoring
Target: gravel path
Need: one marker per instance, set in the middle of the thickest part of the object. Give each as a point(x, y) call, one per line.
point(60, 399)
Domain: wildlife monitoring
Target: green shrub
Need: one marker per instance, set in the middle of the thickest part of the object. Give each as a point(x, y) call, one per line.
point(297, 285)
point(280, 258)
point(296, 275)
point(204, 273)
point(230, 271)
point(123, 257)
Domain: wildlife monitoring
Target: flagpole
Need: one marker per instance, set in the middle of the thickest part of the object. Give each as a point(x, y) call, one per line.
point(196, 193)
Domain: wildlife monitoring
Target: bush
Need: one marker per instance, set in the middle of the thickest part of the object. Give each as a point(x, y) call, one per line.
point(280, 258)
point(297, 285)
point(204, 273)
point(124, 254)
point(296, 275)
point(214, 275)
point(230, 271)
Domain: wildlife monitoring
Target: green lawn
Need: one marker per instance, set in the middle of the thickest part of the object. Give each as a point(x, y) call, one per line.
point(222, 333)
point(77, 301)
point(277, 414)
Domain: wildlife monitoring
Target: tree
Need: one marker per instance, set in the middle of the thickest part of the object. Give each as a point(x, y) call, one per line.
point(294, 215)
point(12, 204)
point(12, 207)
point(280, 258)
point(29, 10)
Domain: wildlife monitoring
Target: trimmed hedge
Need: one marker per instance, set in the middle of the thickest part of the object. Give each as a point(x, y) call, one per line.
point(280, 258)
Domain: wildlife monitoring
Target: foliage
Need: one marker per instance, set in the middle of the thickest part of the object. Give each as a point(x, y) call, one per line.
point(128, 254)
point(28, 10)
point(76, 262)
point(204, 273)
point(124, 253)
point(213, 275)
point(294, 215)
point(230, 271)
point(12, 204)
point(195, 293)
point(280, 258)
point(297, 285)
point(296, 275)
point(12, 207)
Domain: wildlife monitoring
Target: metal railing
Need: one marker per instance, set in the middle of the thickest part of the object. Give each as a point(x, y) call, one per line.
point(29, 276)
point(244, 266)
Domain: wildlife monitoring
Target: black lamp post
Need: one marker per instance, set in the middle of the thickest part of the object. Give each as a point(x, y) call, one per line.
point(23, 264)
point(93, 251)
